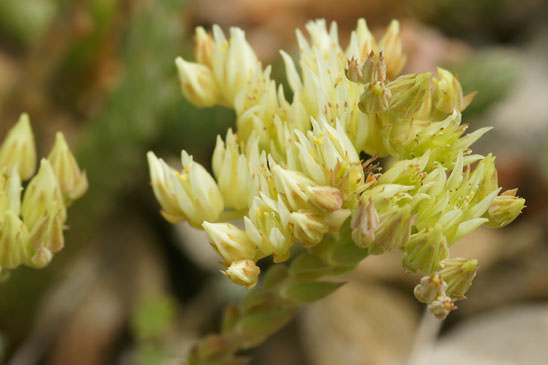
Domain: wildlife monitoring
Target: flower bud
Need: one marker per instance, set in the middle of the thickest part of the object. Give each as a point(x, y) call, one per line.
point(230, 242)
point(231, 169)
point(10, 192)
point(243, 272)
point(425, 250)
point(72, 181)
point(409, 93)
point(41, 258)
point(326, 198)
point(42, 196)
point(204, 47)
point(442, 306)
point(393, 231)
point(504, 208)
point(448, 93)
point(365, 221)
point(458, 274)
point(430, 288)
point(18, 148)
point(308, 228)
point(393, 50)
point(375, 98)
point(14, 249)
point(47, 233)
point(197, 83)
point(192, 195)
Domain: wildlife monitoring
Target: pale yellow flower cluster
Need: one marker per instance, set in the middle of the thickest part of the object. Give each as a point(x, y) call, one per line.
point(32, 227)
point(294, 167)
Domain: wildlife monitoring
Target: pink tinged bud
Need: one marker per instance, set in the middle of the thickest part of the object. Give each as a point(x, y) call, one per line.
point(425, 250)
point(243, 272)
point(230, 242)
point(326, 198)
point(430, 288)
point(442, 306)
point(365, 222)
point(197, 83)
point(458, 274)
point(505, 208)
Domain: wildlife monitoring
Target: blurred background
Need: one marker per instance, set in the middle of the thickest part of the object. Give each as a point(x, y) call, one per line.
point(131, 288)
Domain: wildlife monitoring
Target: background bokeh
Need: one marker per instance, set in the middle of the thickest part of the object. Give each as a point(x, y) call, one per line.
point(131, 288)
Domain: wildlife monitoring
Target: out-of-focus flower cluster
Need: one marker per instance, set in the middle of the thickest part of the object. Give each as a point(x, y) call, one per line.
point(32, 219)
point(294, 169)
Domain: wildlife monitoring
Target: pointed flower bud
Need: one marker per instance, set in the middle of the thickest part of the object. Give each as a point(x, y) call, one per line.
point(393, 50)
point(243, 272)
point(10, 192)
point(448, 93)
point(46, 236)
point(72, 181)
point(197, 83)
point(14, 249)
point(365, 221)
point(458, 274)
point(442, 306)
point(430, 288)
point(505, 208)
point(326, 198)
point(409, 93)
point(393, 231)
point(230, 242)
point(230, 166)
point(42, 197)
point(425, 250)
point(204, 47)
point(375, 98)
point(18, 148)
point(308, 228)
point(191, 195)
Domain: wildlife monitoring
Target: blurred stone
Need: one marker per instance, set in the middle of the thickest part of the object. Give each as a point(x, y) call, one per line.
point(508, 336)
point(359, 324)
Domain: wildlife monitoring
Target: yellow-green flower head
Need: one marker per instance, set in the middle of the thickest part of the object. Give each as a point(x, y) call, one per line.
point(295, 164)
point(243, 272)
point(18, 149)
point(190, 195)
point(72, 181)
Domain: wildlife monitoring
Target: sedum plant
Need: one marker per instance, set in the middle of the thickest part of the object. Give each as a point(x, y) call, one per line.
point(294, 172)
point(32, 219)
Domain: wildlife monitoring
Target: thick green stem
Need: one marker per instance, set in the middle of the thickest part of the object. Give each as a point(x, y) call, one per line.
point(267, 308)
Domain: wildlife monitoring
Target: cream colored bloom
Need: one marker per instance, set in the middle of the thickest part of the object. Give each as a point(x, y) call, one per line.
point(197, 83)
